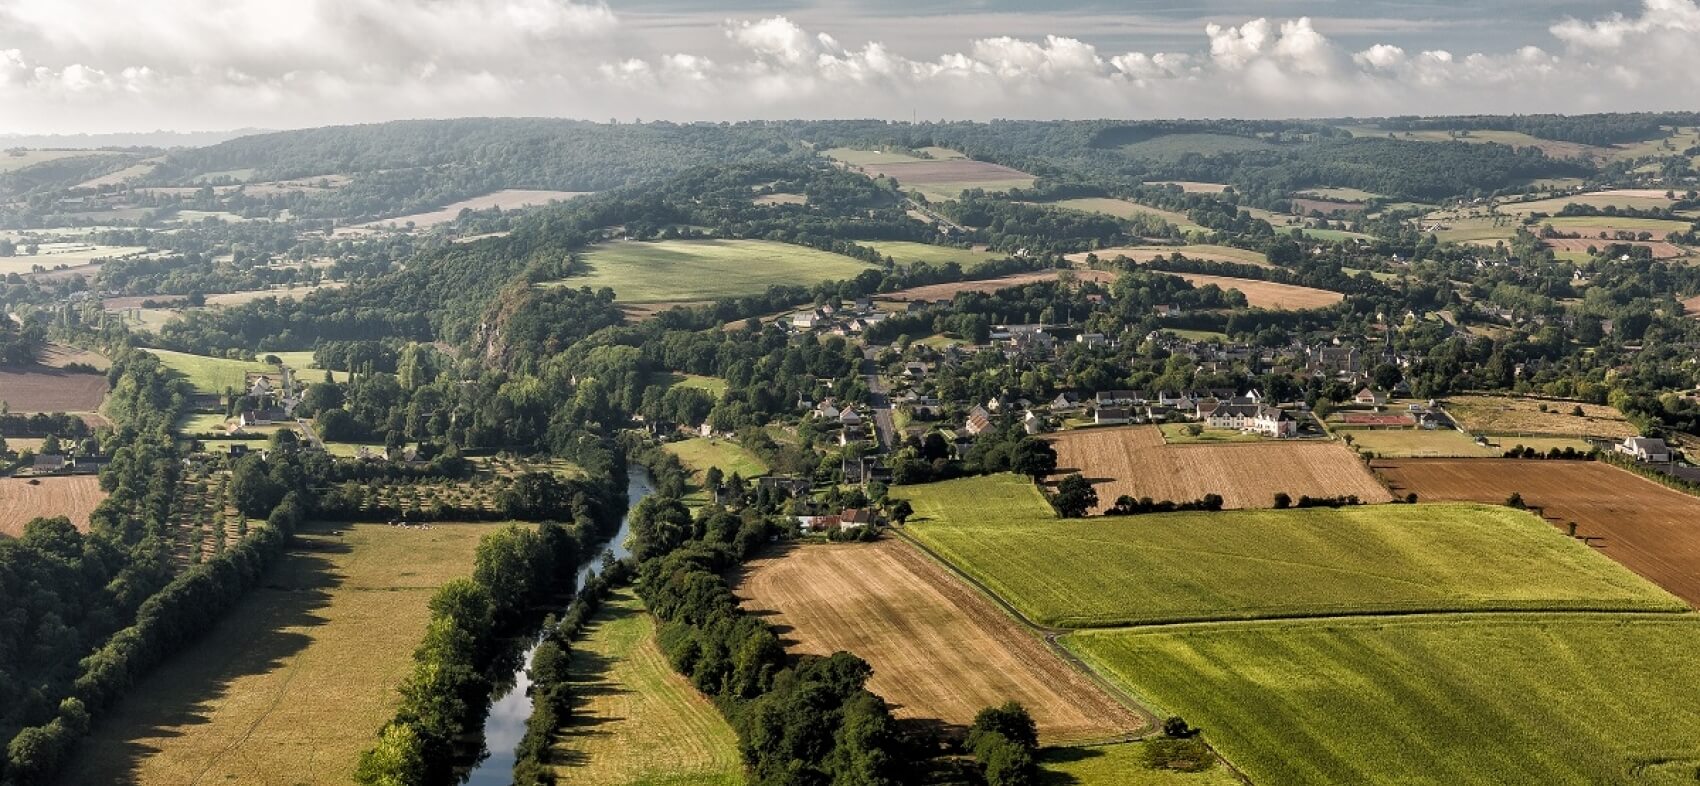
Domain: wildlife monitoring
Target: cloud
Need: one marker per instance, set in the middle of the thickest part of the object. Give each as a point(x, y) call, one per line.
point(97, 65)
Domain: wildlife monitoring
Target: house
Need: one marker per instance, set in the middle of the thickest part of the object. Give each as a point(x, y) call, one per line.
point(790, 485)
point(855, 518)
point(261, 417)
point(1065, 402)
point(1168, 310)
point(50, 462)
point(827, 411)
point(978, 421)
point(848, 418)
point(1120, 398)
point(1092, 340)
point(1650, 449)
point(1032, 423)
point(1108, 416)
point(1370, 397)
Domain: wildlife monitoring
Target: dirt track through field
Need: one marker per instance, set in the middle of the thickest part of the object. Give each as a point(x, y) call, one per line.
point(1650, 529)
point(940, 651)
point(1135, 461)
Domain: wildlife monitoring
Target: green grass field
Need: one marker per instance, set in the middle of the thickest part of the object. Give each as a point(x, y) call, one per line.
point(306, 368)
point(684, 270)
point(714, 386)
point(855, 157)
point(1253, 564)
point(1119, 765)
point(1121, 208)
point(636, 721)
point(1415, 443)
point(1176, 434)
point(1465, 699)
point(210, 374)
point(293, 684)
point(1658, 226)
point(700, 453)
point(904, 252)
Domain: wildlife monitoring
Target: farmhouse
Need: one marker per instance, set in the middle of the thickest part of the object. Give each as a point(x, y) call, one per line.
point(1649, 449)
point(1370, 397)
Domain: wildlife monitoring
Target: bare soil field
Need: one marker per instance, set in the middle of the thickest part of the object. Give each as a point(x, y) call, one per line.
point(507, 199)
point(1660, 249)
point(1191, 187)
point(1506, 415)
point(1205, 253)
point(62, 355)
point(47, 389)
point(936, 292)
point(1268, 294)
point(1135, 461)
point(1642, 525)
point(940, 651)
point(72, 497)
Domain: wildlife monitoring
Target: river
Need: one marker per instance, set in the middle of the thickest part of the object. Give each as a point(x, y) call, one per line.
point(505, 726)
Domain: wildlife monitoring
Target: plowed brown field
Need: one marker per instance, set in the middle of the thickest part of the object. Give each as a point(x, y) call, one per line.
point(72, 497)
point(940, 650)
point(1650, 529)
point(1135, 461)
point(44, 389)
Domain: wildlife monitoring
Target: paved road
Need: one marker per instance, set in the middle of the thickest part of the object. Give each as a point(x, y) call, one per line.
point(312, 436)
point(934, 215)
point(879, 400)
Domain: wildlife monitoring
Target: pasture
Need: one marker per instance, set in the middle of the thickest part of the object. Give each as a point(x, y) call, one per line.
point(698, 454)
point(1268, 294)
point(903, 252)
point(46, 389)
point(291, 685)
point(1446, 443)
point(1645, 526)
point(1206, 253)
point(1134, 460)
point(53, 256)
point(1638, 198)
point(1119, 765)
point(1458, 699)
point(666, 271)
point(1258, 564)
point(209, 374)
point(1524, 416)
point(281, 293)
point(1577, 248)
point(940, 651)
point(21, 501)
point(635, 720)
point(1592, 226)
point(1515, 139)
point(14, 160)
point(1121, 208)
point(713, 386)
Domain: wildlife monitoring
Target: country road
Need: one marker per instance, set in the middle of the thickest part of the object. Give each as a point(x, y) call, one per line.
point(879, 399)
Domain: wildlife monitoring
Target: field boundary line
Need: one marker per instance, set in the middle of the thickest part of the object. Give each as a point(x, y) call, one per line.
point(1050, 637)
point(1369, 616)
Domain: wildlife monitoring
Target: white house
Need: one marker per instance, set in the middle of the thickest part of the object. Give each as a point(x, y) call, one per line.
point(1649, 449)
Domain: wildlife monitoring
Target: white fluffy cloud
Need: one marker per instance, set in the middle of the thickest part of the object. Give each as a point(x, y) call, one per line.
point(98, 65)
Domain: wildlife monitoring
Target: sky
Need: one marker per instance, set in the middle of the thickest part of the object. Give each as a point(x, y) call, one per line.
point(93, 66)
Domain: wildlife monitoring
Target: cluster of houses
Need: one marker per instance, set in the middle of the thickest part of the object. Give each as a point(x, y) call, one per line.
point(60, 464)
point(1217, 408)
point(269, 398)
point(844, 319)
point(851, 426)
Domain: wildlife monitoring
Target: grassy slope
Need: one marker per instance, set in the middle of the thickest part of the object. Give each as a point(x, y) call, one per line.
point(684, 270)
point(292, 685)
point(700, 453)
point(210, 374)
point(713, 386)
point(1119, 765)
point(1554, 699)
point(1261, 563)
point(639, 722)
point(1122, 208)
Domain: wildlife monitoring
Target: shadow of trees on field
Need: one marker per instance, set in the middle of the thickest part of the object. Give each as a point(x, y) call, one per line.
point(256, 637)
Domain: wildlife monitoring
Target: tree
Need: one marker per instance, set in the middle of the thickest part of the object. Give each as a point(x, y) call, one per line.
point(1075, 496)
point(901, 510)
point(1516, 501)
point(1034, 458)
point(1009, 719)
point(1283, 500)
point(712, 478)
point(252, 489)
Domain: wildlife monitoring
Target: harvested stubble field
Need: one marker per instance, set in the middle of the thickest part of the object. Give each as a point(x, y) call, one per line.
point(693, 270)
point(1207, 253)
point(635, 720)
point(292, 684)
point(940, 651)
point(935, 292)
point(942, 179)
point(1135, 461)
point(904, 251)
point(1647, 527)
point(1456, 699)
point(508, 199)
point(48, 389)
point(72, 497)
point(1659, 249)
point(1507, 415)
point(1256, 564)
point(1269, 294)
point(1121, 208)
